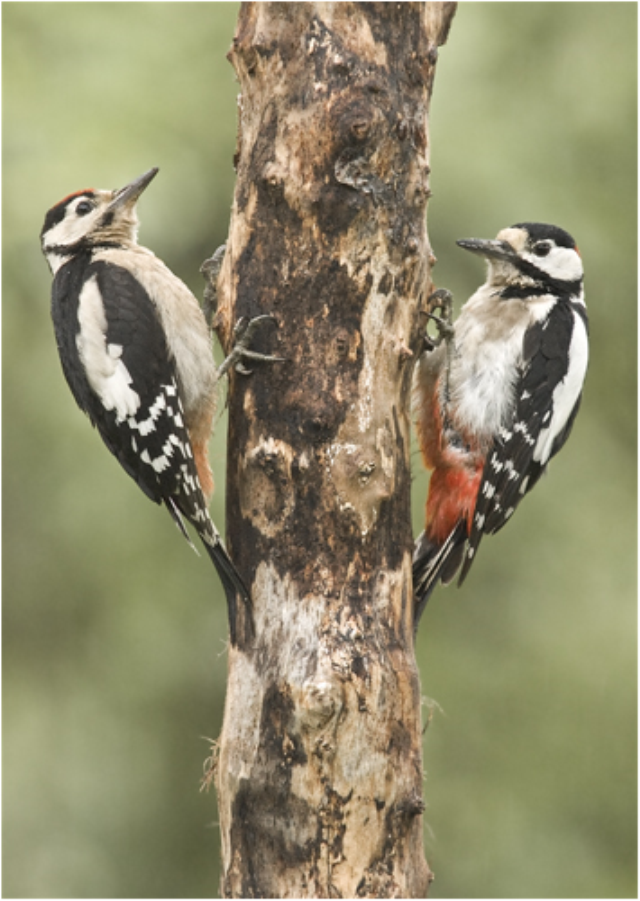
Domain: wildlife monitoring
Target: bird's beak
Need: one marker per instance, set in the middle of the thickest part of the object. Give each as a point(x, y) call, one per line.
point(128, 195)
point(492, 250)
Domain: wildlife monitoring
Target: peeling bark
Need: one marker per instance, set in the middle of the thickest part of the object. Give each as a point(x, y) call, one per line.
point(320, 770)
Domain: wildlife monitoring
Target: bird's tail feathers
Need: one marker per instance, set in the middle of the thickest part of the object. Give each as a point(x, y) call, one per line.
point(240, 615)
point(179, 521)
point(232, 582)
point(433, 563)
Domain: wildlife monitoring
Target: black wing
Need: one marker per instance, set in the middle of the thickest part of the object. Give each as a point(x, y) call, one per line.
point(152, 444)
point(510, 470)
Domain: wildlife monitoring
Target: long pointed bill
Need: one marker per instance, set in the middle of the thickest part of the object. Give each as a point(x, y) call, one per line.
point(128, 195)
point(496, 250)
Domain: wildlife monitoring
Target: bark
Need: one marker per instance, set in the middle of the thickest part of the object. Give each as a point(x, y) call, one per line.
point(320, 770)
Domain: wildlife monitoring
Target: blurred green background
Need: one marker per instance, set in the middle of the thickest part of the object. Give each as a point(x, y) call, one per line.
point(114, 633)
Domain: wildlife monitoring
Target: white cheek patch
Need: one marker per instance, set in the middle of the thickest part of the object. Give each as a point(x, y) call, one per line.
point(562, 263)
point(106, 373)
point(72, 228)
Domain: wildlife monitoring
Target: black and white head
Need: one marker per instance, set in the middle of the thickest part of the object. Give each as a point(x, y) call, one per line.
point(531, 255)
point(90, 219)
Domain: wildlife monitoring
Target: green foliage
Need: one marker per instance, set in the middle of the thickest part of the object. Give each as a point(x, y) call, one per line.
point(114, 662)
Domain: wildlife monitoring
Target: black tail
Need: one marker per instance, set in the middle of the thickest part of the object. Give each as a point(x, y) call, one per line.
point(240, 616)
point(231, 579)
point(433, 563)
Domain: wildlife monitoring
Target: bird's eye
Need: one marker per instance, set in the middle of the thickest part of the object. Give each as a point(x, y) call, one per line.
point(83, 208)
point(541, 249)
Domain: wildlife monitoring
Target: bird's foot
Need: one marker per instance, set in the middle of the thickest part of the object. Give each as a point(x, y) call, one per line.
point(243, 333)
point(442, 301)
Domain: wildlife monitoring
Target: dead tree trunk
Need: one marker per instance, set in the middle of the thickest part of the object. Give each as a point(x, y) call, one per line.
point(320, 769)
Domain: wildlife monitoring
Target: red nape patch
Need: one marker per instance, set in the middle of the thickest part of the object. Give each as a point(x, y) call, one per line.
point(452, 497)
point(88, 191)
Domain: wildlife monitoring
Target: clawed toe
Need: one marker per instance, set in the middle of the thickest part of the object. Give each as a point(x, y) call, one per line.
point(243, 333)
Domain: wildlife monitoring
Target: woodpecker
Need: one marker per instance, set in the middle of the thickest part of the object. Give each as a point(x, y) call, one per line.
point(497, 393)
point(137, 355)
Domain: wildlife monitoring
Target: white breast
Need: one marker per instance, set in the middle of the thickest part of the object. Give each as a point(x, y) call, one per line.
point(488, 349)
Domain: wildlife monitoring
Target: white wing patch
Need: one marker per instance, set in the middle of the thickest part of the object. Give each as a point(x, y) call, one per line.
point(567, 391)
point(106, 373)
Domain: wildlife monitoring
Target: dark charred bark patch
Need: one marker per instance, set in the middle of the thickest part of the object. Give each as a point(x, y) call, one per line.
point(262, 834)
point(279, 742)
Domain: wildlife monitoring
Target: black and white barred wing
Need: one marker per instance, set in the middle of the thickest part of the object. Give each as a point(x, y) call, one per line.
point(547, 400)
point(133, 384)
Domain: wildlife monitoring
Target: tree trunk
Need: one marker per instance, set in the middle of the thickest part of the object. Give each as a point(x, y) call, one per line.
point(320, 770)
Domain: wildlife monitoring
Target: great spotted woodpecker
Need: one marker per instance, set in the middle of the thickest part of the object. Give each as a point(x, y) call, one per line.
point(498, 396)
point(137, 354)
